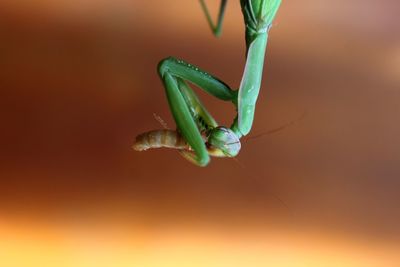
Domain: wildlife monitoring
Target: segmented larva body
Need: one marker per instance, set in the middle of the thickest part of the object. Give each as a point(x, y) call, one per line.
point(160, 138)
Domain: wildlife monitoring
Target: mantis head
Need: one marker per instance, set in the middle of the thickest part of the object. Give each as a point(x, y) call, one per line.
point(225, 141)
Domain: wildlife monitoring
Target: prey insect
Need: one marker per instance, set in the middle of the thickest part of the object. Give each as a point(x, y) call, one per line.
point(198, 135)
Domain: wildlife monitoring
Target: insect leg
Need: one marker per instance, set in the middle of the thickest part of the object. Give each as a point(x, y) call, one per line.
point(184, 120)
point(198, 77)
point(216, 29)
point(197, 108)
point(186, 107)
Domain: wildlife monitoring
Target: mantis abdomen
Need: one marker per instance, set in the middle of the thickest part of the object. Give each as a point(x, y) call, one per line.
point(160, 138)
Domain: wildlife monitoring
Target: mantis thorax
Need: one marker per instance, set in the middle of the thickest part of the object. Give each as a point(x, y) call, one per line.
point(258, 16)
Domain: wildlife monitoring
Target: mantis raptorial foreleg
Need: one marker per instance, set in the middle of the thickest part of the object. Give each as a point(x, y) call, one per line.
point(191, 117)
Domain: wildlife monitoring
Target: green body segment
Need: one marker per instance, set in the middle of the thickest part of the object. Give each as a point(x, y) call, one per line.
point(258, 17)
point(251, 83)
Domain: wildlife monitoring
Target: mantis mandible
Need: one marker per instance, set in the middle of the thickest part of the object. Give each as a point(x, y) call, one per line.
point(198, 135)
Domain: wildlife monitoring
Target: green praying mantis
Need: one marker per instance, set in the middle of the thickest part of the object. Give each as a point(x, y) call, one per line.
point(198, 135)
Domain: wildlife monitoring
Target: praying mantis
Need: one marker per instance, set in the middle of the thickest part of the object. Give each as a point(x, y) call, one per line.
point(198, 135)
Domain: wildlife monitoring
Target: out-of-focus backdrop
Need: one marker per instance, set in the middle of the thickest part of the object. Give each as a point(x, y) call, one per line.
point(78, 82)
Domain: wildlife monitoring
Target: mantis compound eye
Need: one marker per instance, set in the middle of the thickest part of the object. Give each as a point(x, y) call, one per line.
point(226, 140)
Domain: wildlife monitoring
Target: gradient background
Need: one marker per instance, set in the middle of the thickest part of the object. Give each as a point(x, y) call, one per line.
point(78, 82)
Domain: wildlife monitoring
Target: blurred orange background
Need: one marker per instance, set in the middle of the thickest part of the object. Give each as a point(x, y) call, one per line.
point(78, 82)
